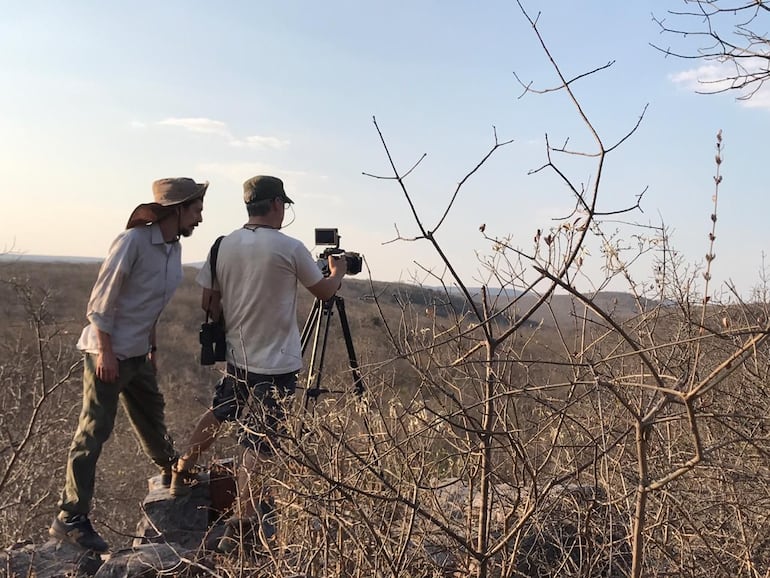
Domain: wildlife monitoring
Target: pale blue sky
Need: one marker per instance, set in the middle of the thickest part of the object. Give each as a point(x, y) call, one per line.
point(99, 99)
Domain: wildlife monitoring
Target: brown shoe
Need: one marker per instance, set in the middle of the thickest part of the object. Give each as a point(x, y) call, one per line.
point(77, 529)
point(183, 481)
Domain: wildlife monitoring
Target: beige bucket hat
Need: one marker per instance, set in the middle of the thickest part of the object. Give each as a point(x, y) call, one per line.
point(168, 193)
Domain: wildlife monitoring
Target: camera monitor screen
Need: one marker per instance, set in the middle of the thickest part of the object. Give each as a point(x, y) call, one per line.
point(326, 237)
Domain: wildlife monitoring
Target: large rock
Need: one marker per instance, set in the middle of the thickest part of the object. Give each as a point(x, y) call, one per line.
point(146, 561)
point(53, 559)
point(171, 538)
point(183, 520)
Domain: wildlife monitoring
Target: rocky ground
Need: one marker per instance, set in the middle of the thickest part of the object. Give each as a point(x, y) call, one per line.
point(174, 536)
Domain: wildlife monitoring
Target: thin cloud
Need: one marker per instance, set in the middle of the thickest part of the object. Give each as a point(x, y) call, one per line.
point(709, 78)
point(760, 99)
point(220, 129)
point(715, 78)
point(198, 125)
point(270, 142)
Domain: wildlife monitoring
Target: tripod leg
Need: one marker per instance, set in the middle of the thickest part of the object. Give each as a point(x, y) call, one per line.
point(315, 366)
point(358, 383)
point(310, 323)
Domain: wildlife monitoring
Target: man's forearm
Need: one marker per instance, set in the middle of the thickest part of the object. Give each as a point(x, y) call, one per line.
point(327, 287)
point(104, 341)
point(211, 302)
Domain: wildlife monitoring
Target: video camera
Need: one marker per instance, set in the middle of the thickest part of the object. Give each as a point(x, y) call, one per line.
point(332, 238)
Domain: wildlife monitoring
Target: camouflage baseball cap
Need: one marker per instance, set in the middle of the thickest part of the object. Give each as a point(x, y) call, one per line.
point(264, 188)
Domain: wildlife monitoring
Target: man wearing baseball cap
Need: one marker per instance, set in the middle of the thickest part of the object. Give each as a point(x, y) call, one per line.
point(137, 278)
point(258, 269)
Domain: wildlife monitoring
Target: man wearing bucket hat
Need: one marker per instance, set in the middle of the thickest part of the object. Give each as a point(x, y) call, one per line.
point(257, 273)
point(138, 277)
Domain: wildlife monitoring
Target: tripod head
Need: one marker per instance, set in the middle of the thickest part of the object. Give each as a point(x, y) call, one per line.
point(331, 238)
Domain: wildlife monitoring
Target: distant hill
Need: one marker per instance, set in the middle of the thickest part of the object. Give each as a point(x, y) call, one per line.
point(15, 257)
point(440, 301)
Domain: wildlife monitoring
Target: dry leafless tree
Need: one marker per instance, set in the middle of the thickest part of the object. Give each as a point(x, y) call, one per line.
point(634, 442)
point(731, 34)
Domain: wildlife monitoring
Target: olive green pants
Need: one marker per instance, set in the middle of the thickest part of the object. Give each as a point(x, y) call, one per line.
point(137, 389)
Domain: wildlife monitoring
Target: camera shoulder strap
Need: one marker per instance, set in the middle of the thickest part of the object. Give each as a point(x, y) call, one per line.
point(213, 258)
point(213, 265)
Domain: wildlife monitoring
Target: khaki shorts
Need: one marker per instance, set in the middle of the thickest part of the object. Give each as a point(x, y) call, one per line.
point(257, 402)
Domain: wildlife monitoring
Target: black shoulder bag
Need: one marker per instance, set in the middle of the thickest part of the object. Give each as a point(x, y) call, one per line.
point(212, 333)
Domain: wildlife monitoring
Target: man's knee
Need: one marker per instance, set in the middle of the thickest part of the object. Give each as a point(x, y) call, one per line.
point(94, 430)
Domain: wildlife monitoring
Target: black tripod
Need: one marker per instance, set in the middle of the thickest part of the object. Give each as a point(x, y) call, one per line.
point(317, 326)
point(320, 315)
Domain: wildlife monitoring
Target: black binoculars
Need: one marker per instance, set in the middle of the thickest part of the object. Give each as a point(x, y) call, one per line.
point(212, 340)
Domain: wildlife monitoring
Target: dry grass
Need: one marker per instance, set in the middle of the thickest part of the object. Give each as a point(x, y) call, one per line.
point(391, 486)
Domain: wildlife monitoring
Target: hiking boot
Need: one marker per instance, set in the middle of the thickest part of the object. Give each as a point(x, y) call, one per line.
point(183, 481)
point(77, 529)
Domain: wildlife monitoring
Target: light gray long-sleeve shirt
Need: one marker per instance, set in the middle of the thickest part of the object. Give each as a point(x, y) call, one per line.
point(136, 281)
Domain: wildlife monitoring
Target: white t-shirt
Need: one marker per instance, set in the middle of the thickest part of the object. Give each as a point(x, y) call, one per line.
point(257, 274)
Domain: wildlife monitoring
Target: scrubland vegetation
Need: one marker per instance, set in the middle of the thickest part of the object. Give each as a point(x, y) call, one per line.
point(526, 428)
point(644, 432)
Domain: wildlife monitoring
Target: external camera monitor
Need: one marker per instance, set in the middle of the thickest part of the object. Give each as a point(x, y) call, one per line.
point(328, 237)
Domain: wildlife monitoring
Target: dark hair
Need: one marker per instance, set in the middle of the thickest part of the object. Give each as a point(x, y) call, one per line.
point(259, 208)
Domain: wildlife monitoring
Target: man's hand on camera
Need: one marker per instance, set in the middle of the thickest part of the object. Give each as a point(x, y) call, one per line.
point(338, 266)
point(329, 285)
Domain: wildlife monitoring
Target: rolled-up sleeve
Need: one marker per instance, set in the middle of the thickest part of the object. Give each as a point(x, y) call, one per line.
point(102, 304)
